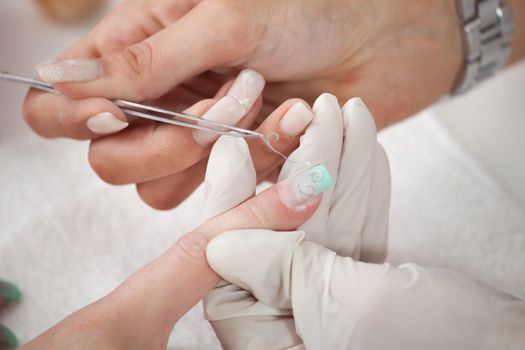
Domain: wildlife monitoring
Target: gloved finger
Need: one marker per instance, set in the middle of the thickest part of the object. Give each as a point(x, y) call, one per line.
point(341, 303)
point(129, 73)
point(268, 278)
point(374, 236)
point(349, 205)
point(151, 152)
point(252, 332)
point(288, 121)
point(230, 176)
point(321, 143)
point(7, 338)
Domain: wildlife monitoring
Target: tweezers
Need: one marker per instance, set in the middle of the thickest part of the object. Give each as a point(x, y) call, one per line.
point(151, 112)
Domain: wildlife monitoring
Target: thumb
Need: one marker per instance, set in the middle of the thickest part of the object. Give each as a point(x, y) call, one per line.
point(149, 69)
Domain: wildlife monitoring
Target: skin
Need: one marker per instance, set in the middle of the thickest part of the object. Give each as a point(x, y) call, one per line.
point(399, 56)
point(141, 312)
point(295, 47)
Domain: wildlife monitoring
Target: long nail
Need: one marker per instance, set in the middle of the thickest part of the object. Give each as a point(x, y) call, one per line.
point(227, 111)
point(105, 123)
point(297, 191)
point(9, 292)
point(7, 338)
point(296, 119)
point(247, 88)
point(69, 70)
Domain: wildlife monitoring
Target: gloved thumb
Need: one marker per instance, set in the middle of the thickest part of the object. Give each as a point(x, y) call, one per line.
point(258, 261)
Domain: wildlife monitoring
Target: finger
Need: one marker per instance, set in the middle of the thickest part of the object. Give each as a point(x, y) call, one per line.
point(143, 154)
point(321, 143)
point(129, 73)
point(168, 287)
point(374, 237)
point(350, 198)
point(230, 176)
point(51, 115)
point(170, 191)
point(288, 121)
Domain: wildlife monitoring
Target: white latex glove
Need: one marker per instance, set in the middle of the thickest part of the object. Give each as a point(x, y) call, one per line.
point(352, 218)
point(341, 303)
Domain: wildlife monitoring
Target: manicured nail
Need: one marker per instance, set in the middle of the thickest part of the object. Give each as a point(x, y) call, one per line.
point(7, 338)
point(69, 70)
point(297, 191)
point(105, 123)
point(9, 292)
point(296, 119)
point(226, 111)
point(247, 88)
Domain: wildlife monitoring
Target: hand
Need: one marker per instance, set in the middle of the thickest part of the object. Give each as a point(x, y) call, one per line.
point(399, 56)
point(9, 293)
point(141, 312)
point(339, 302)
point(352, 218)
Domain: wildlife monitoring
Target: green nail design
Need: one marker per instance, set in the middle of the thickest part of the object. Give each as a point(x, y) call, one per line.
point(7, 338)
point(9, 292)
point(320, 178)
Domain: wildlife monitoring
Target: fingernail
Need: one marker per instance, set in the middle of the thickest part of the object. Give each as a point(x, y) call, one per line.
point(227, 111)
point(7, 338)
point(297, 191)
point(296, 119)
point(9, 292)
point(69, 70)
point(105, 123)
point(247, 88)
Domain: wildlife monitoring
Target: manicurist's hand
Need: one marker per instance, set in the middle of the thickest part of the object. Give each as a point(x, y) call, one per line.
point(141, 312)
point(399, 56)
point(328, 279)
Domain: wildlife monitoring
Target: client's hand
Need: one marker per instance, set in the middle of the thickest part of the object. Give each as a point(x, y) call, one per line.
point(140, 313)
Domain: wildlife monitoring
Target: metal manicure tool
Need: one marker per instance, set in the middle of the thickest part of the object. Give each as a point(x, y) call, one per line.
point(154, 113)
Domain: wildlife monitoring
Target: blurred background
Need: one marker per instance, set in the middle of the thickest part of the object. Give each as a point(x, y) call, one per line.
point(66, 238)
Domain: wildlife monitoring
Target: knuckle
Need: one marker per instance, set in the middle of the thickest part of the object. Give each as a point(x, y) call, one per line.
point(138, 59)
point(258, 212)
point(136, 64)
point(192, 247)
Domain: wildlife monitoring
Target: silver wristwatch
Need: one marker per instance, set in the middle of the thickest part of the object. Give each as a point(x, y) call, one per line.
point(489, 27)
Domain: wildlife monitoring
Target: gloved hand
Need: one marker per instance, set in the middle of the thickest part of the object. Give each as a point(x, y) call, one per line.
point(340, 302)
point(352, 218)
